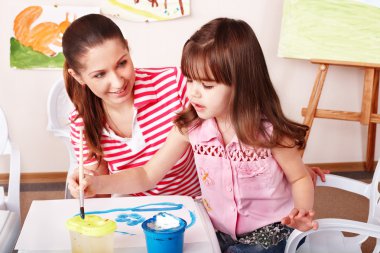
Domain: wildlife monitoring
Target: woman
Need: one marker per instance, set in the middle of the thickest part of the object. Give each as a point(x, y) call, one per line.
point(126, 113)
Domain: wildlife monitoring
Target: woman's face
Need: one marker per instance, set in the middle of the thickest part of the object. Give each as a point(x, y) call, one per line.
point(108, 71)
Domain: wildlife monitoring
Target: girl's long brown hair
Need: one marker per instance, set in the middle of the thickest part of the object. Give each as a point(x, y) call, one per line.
point(83, 34)
point(227, 51)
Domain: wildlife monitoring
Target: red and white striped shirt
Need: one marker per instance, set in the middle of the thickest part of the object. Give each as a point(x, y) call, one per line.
point(159, 93)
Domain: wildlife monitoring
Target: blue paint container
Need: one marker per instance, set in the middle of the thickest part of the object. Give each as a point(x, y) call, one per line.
point(166, 239)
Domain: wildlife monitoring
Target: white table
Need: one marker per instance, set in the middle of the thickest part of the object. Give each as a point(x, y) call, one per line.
point(200, 238)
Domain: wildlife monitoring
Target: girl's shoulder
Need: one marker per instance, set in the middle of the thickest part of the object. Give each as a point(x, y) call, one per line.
point(264, 133)
point(268, 127)
point(203, 130)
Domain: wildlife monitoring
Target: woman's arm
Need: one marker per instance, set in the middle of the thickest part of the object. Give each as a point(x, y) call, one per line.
point(316, 172)
point(97, 169)
point(141, 178)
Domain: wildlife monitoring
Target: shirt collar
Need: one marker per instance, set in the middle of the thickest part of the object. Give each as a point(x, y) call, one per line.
point(107, 131)
point(209, 130)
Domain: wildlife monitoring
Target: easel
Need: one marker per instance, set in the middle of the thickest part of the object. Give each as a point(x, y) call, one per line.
point(367, 116)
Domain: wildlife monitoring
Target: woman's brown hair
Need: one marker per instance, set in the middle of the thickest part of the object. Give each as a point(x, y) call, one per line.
point(227, 51)
point(83, 34)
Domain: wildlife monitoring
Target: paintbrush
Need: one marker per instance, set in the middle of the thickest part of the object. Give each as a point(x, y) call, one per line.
point(81, 173)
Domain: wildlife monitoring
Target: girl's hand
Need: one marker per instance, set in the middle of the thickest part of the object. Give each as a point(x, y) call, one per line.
point(317, 172)
point(300, 219)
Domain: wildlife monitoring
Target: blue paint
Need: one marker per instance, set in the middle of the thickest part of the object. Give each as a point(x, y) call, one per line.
point(131, 219)
point(193, 219)
point(124, 233)
point(121, 217)
point(135, 215)
point(143, 208)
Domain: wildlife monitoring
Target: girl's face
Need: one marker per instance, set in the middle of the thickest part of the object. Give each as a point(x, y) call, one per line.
point(108, 72)
point(209, 98)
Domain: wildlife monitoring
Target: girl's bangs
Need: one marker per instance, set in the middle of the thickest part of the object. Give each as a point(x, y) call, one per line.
point(195, 65)
point(207, 62)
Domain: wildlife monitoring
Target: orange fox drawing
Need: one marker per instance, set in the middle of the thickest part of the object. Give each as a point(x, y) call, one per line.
point(40, 37)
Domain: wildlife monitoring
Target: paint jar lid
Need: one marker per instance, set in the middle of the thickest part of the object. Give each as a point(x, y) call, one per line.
point(91, 225)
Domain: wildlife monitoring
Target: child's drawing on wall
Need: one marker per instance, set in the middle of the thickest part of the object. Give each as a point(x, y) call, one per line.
point(37, 35)
point(147, 10)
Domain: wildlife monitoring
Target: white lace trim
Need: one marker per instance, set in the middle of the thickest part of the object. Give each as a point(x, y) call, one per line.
point(236, 155)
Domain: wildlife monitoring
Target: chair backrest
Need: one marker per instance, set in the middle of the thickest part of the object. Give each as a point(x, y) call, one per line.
point(374, 197)
point(12, 200)
point(59, 107)
point(329, 236)
point(3, 133)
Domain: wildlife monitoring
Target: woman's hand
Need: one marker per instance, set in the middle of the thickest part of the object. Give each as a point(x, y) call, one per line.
point(316, 172)
point(300, 219)
point(87, 184)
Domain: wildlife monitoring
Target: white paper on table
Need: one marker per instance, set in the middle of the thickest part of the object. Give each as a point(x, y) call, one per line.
point(44, 227)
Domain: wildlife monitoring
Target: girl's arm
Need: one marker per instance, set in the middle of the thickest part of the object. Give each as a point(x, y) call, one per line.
point(141, 178)
point(289, 159)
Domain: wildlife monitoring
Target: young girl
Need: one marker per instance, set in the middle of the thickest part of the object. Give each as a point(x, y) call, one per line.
point(127, 113)
point(254, 184)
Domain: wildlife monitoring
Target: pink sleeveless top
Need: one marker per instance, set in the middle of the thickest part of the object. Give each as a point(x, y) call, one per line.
point(241, 192)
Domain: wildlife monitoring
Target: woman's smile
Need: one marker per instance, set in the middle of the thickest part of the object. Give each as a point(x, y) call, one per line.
point(121, 92)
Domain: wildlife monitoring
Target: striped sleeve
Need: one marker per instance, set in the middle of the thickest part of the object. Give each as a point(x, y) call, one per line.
point(75, 125)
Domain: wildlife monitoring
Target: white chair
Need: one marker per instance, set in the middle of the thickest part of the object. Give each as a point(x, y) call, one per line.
point(59, 106)
point(10, 224)
point(329, 237)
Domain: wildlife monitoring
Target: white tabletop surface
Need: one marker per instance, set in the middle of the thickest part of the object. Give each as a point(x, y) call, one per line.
point(199, 238)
